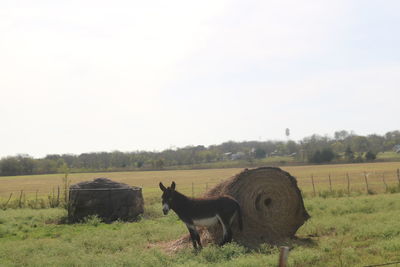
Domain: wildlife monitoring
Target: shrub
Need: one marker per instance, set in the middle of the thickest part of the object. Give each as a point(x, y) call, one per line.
point(325, 155)
point(93, 220)
point(370, 156)
point(349, 154)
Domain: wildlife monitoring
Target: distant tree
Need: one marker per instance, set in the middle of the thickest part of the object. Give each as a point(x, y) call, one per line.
point(139, 164)
point(291, 147)
point(341, 135)
point(27, 164)
point(359, 144)
point(46, 166)
point(321, 156)
point(314, 148)
point(348, 154)
point(391, 139)
point(315, 157)
point(259, 153)
point(158, 164)
point(327, 154)
point(10, 166)
point(376, 143)
point(338, 147)
point(370, 156)
point(358, 158)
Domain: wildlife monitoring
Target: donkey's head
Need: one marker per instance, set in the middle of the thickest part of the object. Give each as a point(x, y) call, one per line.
point(167, 196)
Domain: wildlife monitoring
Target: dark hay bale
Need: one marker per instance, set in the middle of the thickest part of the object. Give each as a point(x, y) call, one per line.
point(105, 198)
point(271, 203)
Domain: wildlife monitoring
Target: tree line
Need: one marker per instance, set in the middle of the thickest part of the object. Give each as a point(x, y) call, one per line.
point(343, 146)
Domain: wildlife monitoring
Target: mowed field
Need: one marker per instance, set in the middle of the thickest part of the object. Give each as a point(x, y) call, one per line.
point(197, 181)
point(356, 230)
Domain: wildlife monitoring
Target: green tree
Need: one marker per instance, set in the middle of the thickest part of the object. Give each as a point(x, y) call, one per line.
point(359, 144)
point(27, 164)
point(341, 135)
point(370, 156)
point(348, 154)
point(10, 166)
point(292, 147)
point(259, 153)
point(327, 154)
point(321, 156)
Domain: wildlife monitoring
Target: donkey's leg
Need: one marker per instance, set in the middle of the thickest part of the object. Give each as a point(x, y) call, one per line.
point(234, 215)
point(197, 238)
point(224, 230)
point(229, 227)
point(226, 223)
point(228, 234)
point(192, 231)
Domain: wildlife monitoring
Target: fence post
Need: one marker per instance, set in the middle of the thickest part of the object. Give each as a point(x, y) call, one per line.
point(20, 199)
point(58, 196)
point(366, 182)
point(5, 205)
point(312, 180)
point(284, 252)
point(398, 175)
point(330, 182)
point(348, 183)
point(51, 203)
point(36, 198)
point(384, 182)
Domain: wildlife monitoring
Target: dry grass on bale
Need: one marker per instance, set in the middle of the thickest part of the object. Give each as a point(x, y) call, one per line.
point(272, 209)
point(174, 246)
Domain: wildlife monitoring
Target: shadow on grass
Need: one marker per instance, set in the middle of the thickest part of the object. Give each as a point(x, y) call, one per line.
point(93, 220)
point(304, 242)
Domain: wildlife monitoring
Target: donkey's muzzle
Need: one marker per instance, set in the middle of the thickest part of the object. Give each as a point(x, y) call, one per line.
point(165, 209)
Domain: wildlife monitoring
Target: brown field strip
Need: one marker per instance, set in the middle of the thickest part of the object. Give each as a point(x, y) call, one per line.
point(197, 181)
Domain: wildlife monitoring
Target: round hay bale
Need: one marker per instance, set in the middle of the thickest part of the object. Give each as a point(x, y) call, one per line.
point(105, 198)
point(271, 203)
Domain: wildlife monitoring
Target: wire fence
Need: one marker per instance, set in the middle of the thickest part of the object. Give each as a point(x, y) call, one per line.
point(311, 185)
point(314, 185)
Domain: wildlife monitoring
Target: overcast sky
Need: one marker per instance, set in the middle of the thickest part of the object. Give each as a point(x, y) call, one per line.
point(85, 76)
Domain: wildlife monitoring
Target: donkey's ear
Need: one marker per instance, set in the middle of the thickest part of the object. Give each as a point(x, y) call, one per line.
point(162, 187)
point(173, 185)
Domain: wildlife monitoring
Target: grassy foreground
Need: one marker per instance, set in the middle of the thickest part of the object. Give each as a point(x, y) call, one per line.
point(348, 231)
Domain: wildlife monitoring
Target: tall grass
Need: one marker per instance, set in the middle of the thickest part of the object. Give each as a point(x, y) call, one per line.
point(58, 197)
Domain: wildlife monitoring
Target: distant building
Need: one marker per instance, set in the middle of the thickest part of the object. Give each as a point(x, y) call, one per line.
point(238, 155)
point(396, 148)
point(227, 155)
point(274, 153)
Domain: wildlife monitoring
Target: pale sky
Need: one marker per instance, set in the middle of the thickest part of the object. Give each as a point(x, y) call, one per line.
point(86, 76)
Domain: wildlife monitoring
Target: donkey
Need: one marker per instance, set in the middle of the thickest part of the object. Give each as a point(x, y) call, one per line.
point(202, 212)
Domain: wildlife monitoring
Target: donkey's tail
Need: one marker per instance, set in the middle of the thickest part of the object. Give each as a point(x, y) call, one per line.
point(240, 221)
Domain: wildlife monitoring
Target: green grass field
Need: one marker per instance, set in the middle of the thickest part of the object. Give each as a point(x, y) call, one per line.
point(348, 231)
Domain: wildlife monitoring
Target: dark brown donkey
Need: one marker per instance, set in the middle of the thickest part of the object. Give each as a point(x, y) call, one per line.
point(202, 212)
